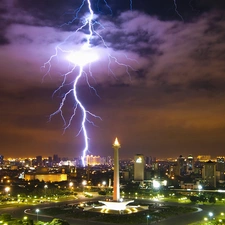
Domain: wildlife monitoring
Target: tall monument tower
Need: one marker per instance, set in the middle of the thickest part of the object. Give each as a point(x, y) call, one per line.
point(116, 180)
point(117, 203)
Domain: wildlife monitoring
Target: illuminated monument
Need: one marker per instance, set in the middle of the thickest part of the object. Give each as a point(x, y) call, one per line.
point(117, 203)
point(116, 174)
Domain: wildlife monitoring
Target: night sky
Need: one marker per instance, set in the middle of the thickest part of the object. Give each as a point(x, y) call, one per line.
point(169, 103)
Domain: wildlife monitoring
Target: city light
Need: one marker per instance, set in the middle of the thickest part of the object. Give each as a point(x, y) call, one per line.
point(7, 189)
point(70, 184)
point(147, 218)
point(84, 183)
point(156, 184)
point(45, 187)
point(210, 214)
point(37, 211)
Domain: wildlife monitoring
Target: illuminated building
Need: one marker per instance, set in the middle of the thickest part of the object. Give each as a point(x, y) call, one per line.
point(67, 163)
point(220, 159)
point(46, 175)
point(1, 159)
point(220, 168)
point(116, 176)
point(92, 160)
point(181, 166)
point(189, 186)
point(190, 164)
point(204, 158)
point(209, 173)
point(56, 159)
point(39, 160)
point(139, 166)
point(50, 177)
point(173, 171)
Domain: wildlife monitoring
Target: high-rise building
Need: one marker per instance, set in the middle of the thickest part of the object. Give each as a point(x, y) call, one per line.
point(209, 173)
point(39, 160)
point(56, 159)
point(181, 165)
point(220, 168)
point(1, 159)
point(147, 160)
point(50, 160)
point(190, 164)
point(173, 171)
point(139, 167)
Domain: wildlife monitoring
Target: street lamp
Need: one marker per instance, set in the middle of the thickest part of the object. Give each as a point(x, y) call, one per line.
point(37, 211)
point(199, 188)
point(45, 187)
point(147, 217)
point(210, 215)
point(156, 184)
point(7, 189)
point(71, 186)
point(84, 183)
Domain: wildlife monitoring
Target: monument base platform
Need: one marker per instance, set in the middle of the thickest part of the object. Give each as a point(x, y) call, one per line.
point(114, 205)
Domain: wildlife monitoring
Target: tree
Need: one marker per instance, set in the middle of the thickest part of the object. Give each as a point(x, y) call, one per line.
point(56, 221)
point(212, 199)
point(6, 217)
point(102, 192)
point(194, 199)
point(202, 198)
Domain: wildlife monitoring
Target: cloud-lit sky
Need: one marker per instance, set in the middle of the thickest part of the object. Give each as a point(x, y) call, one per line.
point(170, 103)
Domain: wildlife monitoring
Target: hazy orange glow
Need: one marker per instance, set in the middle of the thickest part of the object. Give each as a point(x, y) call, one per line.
point(116, 143)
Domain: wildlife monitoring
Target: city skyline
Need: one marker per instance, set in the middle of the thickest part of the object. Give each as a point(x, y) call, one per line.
point(171, 104)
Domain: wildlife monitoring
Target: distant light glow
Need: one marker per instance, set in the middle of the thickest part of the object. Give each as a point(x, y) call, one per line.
point(210, 214)
point(82, 58)
point(156, 184)
point(139, 160)
point(115, 205)
point(116, 143)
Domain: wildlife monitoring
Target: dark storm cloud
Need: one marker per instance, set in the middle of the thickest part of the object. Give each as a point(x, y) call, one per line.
point(209, 4)
point(170, 97)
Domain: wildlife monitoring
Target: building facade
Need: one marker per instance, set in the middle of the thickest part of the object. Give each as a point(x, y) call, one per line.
point(139, 167)
point(209, 173)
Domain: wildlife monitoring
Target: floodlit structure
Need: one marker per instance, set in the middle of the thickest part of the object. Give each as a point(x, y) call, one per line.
point(116, 180)
point(117, 203)
point(139, 167)
point(54, 177)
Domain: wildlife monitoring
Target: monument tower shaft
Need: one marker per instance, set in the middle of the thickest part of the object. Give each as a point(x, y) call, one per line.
point(116, 178)
point(117, 203)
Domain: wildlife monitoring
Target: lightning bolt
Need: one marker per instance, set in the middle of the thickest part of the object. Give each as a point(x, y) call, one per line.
point(106, 4)
point(176, 9)
point(81, 59)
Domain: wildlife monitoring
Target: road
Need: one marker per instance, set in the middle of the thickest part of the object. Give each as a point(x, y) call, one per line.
point(193, 217)
point(185, 219)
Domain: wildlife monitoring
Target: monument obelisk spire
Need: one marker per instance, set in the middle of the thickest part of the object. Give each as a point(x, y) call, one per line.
point(117, 203)
point(116, 180)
